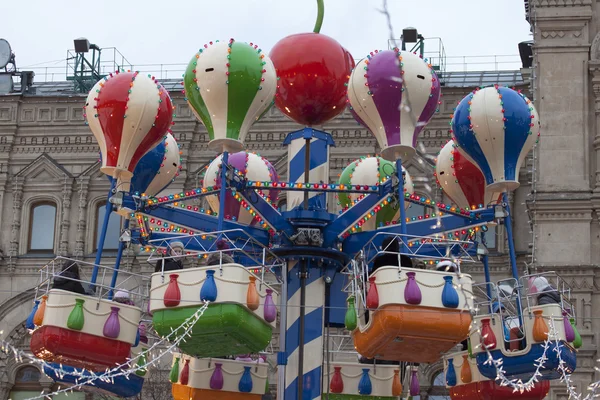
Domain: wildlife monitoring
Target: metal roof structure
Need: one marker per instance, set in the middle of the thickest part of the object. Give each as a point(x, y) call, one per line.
point(449, 79)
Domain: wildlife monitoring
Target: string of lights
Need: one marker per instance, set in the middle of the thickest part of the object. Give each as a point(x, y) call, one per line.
point(566, 375)
point(125, 369)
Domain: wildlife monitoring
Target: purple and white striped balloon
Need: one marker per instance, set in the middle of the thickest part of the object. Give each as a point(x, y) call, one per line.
point(394, 94)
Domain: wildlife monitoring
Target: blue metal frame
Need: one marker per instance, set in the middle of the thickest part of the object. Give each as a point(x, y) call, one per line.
point(107, 211)
point(113, 280)
point(308, 133)
point(203, 222)
point(486, 270)
point(222, 190)
point(512, 254)
point(332, 226)
point(401, 201)
point(355, 242)
point(523, 366)
point(120, 386)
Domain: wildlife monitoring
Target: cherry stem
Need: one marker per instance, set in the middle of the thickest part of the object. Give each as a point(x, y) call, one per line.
point(320, 12)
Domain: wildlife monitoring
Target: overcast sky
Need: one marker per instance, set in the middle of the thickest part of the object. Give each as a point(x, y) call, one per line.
point(171, 31)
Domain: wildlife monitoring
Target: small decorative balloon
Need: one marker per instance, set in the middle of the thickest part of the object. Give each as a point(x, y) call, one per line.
point(249, 165)
point(157, 169)
point(394, 94)
point(129, 114)
point(229, 86)
point(461, 180)
point(372, 171)
point(495, 128)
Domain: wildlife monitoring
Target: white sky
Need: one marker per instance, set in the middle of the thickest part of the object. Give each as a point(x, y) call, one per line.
point(171, 31)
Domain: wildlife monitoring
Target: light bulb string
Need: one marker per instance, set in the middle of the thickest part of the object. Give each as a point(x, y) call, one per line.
point(110, 374)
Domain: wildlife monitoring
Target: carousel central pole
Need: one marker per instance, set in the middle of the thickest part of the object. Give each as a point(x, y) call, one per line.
point(308, 162)
point(302, 328)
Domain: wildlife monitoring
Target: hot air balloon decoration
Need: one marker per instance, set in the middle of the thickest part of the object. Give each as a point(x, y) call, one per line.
point(129, 114)
point(249, 165)
point(372, 171)
point(394, 94)
point(495, 128)
point(461, 180)
point(157, 169)
point(313, 71)
point(228, 86)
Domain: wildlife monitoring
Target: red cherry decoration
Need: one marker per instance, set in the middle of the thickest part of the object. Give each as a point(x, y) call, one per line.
point(313, 70)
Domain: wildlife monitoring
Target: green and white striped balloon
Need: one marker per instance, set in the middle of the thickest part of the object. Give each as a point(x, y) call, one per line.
point(229, 86)
point(373, 171)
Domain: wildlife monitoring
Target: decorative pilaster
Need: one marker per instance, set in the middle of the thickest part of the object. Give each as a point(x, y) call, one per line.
point(13, 252)
point(5, 388)
point(83, 189)
point(594, 68)
point(67, 192)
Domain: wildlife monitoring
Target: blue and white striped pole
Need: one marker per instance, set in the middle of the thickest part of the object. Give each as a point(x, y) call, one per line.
point(318, 155)
point(309, 388)
point(308, 154)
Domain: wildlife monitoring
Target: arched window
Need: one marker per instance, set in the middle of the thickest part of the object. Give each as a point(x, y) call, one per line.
point(42, 224)
point(113, 232)
point(27, 383)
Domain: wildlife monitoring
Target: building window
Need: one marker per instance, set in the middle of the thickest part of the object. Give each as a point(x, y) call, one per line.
point(438, 390)
point(27, 383)
point(42, 227)
point(113, 232)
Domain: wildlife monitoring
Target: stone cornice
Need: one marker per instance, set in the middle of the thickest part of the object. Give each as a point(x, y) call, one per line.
point(559, 3)
point(561, 48)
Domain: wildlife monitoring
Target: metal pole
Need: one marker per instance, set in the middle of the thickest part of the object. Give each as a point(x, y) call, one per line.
point(222, 191)
point(326, 358)
point(486, 271)
point(306, 170)
point(512, 254)
point(113, 281)
point(301, 327)
point(282, 334)
point(401, 203)
point(107, 210)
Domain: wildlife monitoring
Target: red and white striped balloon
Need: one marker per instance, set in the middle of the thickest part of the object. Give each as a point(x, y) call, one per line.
point(462, 180)
point(129, 114)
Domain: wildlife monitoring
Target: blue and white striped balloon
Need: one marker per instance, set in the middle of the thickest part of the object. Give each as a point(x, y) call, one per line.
point(157, 169)
point(495, 128)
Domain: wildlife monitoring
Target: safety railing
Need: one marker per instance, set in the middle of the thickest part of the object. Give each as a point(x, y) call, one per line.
point(235, 243)
point(135, 286)
point(534, 287)
point(162, 71)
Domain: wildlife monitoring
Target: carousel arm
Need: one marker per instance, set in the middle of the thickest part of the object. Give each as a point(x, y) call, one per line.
point(195, 244)
point(204, 223)
point(356, 212)
point(267, 212)
point(355, 242)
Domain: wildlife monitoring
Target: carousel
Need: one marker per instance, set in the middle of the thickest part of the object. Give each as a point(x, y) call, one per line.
point(236, 277)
